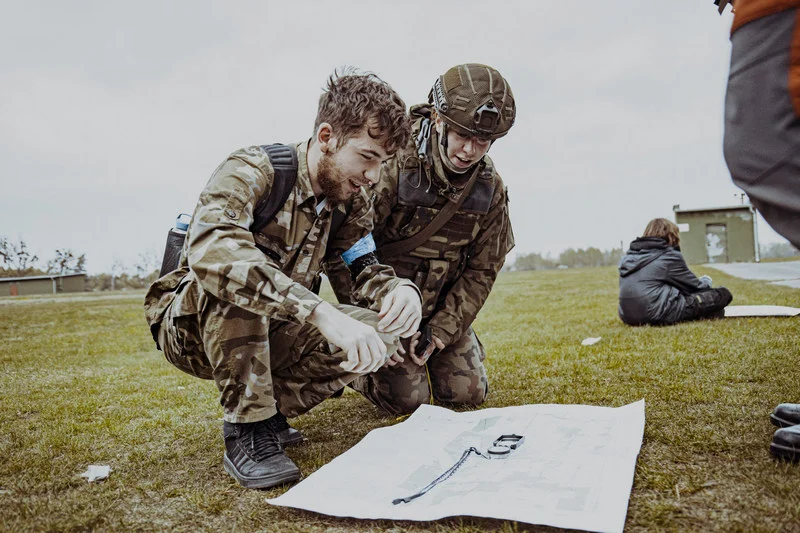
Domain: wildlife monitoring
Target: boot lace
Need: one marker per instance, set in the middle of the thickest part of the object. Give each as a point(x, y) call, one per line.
point(262, 441)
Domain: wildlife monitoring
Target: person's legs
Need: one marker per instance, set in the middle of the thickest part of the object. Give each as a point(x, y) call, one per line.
point(397, 389)
point(306, 368)
point(457, 372)
point(762, 145)
point(762, 128)
point(212, 339)
point(709, 303)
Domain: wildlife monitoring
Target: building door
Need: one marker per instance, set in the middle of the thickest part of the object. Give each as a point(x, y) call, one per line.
point(717, 243)
point(14, 290)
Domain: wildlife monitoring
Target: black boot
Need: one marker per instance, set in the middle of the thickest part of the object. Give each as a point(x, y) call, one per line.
point(254, 455)
point(786, 443)
point(287, 435)
point(785, 415)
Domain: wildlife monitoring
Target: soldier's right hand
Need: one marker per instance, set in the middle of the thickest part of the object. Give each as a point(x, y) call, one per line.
point(366, 352)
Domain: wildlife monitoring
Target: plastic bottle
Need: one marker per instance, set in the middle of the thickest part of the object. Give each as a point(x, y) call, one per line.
point(174, 246)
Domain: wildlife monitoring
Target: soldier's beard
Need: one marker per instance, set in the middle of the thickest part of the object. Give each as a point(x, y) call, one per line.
point(331, 180)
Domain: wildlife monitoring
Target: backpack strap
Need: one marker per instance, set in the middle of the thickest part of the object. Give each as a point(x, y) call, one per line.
point(284, 161)
point(337, 219)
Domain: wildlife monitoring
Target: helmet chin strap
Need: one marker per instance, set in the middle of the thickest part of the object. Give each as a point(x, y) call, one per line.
point(443, 153)
point(447, 164)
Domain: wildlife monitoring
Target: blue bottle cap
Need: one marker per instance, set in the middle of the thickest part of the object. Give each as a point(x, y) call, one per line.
point(182, 222)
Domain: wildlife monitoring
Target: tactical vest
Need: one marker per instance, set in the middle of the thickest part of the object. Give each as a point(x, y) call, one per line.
point(437, 263)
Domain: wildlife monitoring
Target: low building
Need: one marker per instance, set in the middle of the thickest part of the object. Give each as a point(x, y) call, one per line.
point(718, 234)
point(48, 284)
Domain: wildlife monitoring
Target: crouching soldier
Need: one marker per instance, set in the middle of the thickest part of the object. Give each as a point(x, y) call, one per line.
point(239, 309)
point(441, 220)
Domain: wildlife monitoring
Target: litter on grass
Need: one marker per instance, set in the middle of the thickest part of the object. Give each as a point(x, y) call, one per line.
point(588, 341)
point(96, 473)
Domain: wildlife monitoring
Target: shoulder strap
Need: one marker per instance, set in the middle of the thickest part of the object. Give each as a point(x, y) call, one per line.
point(284, 161)
point(401, 247)
point(337, 219)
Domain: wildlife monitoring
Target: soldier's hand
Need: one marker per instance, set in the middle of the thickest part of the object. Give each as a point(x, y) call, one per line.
point(421, 359)
point(365, 350)
point(396, 358)
point(401, 312)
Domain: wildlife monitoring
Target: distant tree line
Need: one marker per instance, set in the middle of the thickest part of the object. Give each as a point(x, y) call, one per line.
point(122, 277)
point(777, 250)
point(569, 258)
point(16, 260)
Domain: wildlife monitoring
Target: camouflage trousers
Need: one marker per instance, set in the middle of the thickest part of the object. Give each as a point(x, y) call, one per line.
point(457, 376)
point(259, 365)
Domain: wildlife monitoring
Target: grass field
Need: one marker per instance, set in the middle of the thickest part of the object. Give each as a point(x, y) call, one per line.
point(83, 384)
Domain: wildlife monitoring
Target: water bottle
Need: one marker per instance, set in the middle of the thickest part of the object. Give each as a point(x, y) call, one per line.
point(175, 238)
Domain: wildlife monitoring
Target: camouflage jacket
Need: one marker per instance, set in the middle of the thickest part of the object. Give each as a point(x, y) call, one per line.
point(456, 268)
point(270, 272)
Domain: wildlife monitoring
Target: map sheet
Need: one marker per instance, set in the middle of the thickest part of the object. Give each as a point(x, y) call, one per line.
point(574, 469)
point(760, 310)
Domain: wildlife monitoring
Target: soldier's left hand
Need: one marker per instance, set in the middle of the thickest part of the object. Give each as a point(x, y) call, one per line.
point(396, 358)
point(422, 358)
point(401, 312)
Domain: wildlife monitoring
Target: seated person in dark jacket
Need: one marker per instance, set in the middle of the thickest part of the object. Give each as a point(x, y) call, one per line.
point(656, 286)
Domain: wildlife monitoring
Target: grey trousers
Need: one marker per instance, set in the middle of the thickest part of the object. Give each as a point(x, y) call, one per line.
point(762, 129)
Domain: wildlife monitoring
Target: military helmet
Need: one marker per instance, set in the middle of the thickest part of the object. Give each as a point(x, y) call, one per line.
point(476, 99)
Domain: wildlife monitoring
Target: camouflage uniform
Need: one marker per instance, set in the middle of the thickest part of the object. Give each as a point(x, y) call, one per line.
point(455, 270)
point(235, 311)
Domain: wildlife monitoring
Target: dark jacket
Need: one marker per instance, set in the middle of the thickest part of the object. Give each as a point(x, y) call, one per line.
point(653, 282)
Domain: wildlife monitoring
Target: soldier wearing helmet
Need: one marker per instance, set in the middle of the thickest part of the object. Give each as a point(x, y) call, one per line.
point(446, 163)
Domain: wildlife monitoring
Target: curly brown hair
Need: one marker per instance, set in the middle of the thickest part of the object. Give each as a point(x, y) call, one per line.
point(664, 229)
point(353, 100)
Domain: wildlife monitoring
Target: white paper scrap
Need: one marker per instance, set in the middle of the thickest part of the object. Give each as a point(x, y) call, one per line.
point(588, 341)
point(96, 472)
point(574, 469)
point(760, 310)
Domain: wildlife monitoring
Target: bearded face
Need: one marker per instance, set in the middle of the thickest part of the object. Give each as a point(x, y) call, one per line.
point(332, 180)
point(344, 168)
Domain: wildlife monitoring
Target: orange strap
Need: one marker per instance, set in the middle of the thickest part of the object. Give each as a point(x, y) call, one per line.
point(750, 10)
point(794, 66)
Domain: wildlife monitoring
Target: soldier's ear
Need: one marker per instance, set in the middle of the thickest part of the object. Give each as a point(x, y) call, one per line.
point(437, 123)
point(325, 138)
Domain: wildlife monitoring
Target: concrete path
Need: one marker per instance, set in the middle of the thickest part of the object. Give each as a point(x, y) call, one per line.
point(72, 297)
point(783, 273)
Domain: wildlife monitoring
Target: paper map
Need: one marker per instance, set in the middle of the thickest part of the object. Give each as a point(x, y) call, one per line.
point(574, 470)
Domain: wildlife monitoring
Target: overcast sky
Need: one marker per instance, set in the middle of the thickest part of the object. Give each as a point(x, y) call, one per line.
point(113, 115)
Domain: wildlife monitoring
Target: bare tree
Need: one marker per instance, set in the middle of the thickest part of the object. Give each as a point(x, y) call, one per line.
point(66, 262)
point(16, 258)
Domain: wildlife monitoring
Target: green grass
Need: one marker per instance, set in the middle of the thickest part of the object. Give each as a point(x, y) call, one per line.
point(83, 384)
point(780, 259)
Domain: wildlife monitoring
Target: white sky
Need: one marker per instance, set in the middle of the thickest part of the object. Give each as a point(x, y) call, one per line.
point(114, 114)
